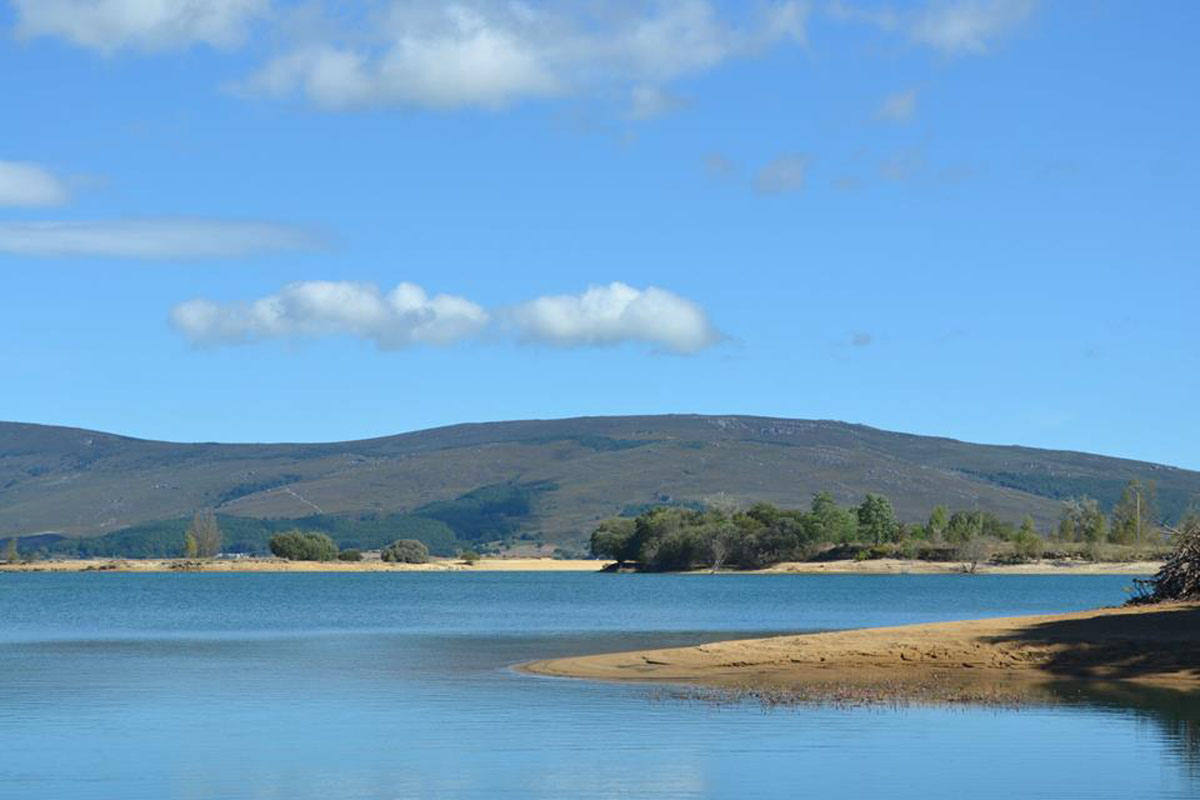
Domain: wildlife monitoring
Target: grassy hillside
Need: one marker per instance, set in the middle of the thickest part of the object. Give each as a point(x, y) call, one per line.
point(554, 477)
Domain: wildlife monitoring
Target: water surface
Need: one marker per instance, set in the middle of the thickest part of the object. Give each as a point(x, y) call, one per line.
point(398, 685)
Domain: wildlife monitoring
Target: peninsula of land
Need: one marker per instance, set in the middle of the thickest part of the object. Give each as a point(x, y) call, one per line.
point(282, 565)
point(882, 566)
point(991, 659)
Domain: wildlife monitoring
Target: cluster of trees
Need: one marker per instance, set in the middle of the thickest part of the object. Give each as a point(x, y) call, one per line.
point(1134, 518)
point(303, 546)
point(673, 538)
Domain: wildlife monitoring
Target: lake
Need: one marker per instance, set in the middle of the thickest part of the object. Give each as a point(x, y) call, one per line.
point(368, 685)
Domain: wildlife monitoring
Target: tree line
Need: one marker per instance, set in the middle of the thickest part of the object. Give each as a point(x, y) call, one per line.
point(673, 538)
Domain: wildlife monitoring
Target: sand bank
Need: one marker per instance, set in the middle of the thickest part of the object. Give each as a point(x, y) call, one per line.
point(279, 565)
point(897, 566)
point(971, 660)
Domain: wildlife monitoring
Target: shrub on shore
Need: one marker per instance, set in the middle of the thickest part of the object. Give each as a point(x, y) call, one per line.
point(350, 555)
point(405, 551)
point(300, 546)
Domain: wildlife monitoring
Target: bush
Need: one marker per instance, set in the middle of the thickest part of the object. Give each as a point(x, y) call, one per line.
point(469, 556)
point(350, 555)
point(405, 551)
point(301, 546)
point(1179, 578)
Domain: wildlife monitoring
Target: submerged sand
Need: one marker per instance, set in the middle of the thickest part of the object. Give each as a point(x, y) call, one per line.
point(980, 659)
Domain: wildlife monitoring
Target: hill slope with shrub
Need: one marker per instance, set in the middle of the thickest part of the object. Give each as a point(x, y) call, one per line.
point(555, 478)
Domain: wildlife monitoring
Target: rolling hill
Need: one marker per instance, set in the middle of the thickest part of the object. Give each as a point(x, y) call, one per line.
point(555, 478)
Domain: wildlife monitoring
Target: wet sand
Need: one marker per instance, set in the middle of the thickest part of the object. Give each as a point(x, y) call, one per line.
point(993, 659)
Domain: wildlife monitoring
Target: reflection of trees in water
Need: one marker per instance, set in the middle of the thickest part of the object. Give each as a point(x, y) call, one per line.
point(1175, 712)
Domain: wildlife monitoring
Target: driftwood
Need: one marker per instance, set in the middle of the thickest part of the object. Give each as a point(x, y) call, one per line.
point(1179, 577)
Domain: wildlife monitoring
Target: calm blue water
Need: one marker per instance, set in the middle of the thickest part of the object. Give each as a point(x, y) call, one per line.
point(397, 686)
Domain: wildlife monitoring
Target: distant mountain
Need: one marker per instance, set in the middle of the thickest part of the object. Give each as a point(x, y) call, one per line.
point(551, 477)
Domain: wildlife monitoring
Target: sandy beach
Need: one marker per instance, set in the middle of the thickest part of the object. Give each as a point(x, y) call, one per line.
point(897, 566)
point(280, 565)
point(978, 659)
point(884, 566)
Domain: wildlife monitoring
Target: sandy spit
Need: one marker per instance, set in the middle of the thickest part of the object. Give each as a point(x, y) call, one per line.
point(897, 566)
point(279, 565)
point(1157, 645)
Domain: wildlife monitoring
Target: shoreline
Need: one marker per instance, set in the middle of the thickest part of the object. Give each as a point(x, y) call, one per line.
point(1007, 659)
point(898, 566)
point(883, 566)
point(264, 564)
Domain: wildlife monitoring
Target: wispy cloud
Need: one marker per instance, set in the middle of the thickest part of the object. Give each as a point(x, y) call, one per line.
point(152, 238)
point(719, 165)
point(898, 106)
point(647, 102)
point(148, 25)
point(407, 315)
point(954, 27)
point(26, 184)
point(786, 173)
point(903, 166)
point(490, 55)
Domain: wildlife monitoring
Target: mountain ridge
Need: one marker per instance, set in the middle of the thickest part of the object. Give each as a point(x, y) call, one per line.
point(77, 481)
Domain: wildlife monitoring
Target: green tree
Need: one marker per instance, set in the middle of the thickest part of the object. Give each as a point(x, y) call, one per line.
point(469, 557)
point(939, 518)
point(1026, 543)
point(1082, 521)
point(831, 523)
point(190, 548)
point(207, 533)
point(10, 553)
point(1135, 516)
point(876, 519)
point(405, 551)
point(295, 545)
point(963, 526)
point(613, 539)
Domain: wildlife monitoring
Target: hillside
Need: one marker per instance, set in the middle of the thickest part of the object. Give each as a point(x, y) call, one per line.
point(552, 477)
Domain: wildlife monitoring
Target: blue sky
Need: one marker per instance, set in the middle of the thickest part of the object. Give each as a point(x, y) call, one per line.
point(971, 218)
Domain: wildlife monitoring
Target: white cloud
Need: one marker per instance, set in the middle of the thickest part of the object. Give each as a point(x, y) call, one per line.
point(110, 25)
point(26, 184)
point(151, 238)
point(783, 174)
point(612, 314)
point(898, 106)
point(488, 55)
point(952, 26)
point(402, 317)
point(968, 26)
point(407, 315)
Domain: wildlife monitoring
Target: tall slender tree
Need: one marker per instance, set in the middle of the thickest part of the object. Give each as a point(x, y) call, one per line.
point(205, 531)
